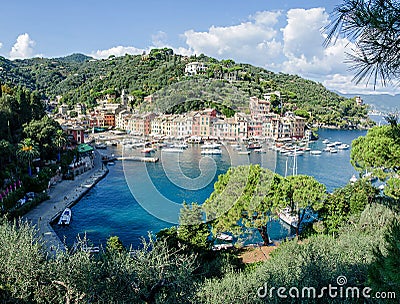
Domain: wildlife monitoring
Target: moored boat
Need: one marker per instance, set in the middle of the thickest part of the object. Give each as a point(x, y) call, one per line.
point(211, 146)
point(172, 150)
point(65, 217)
point(252, 146)
point(260, 151)
point(224, 237)
point(180, 145)
point(287, 217)
point(343, 147)
point(147, 150)
point(211, 152)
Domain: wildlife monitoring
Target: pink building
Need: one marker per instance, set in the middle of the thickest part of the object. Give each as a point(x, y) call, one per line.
point(259, 108)
point(201, 125)
point(75, 134)
point(255, 128)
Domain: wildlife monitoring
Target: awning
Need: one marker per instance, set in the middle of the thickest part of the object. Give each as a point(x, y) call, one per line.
point(84, 148)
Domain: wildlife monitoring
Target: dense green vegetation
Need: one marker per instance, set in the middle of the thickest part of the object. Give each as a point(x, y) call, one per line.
point(28, 139)
point(355, 236)
point(80, 79)
point(178, 267)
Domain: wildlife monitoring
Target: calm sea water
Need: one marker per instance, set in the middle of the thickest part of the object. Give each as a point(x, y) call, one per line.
point(137, 198)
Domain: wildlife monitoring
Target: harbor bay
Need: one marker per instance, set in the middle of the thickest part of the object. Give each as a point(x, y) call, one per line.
point(110, 208)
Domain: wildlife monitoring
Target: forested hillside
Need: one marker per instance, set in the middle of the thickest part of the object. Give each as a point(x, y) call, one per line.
point(79, 78)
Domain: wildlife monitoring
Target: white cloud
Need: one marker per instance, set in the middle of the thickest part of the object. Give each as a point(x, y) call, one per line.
point(252, 41)
point(345, 85)
point(294, 46)
point(1, 45)
point(291, 45)
point(302, 35)
point(117, 51)
point(23, 48)
point(131, 50)
point(159, 39)
point(306, 56)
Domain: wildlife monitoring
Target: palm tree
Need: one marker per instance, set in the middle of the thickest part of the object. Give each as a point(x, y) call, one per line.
point(59, 139)
point(27, 151)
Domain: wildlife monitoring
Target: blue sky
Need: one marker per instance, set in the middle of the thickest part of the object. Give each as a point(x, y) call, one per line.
point(280, 35)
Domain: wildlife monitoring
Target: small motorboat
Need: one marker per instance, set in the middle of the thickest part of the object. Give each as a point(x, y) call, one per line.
point(353, 179)
point(171, 150)
point(343, 147)
point(224, 237)
point(211, 152)
point(65, 217)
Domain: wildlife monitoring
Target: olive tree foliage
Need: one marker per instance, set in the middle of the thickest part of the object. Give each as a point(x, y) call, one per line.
point(153, 273)
point(21, 262)
point(345, 202)
point(374, 28)
point(384, 273)
point(317, 262)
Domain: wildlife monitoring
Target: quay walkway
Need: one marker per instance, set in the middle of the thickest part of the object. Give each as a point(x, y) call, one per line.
point(62, 195)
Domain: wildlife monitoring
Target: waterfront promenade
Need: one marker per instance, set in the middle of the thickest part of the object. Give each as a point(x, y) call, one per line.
point(62, 195)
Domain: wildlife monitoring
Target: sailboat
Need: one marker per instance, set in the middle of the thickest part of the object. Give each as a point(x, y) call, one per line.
point(287, 215)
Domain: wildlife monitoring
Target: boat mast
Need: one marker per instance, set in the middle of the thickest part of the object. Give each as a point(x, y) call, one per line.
point(286, 166)
point(294, 162)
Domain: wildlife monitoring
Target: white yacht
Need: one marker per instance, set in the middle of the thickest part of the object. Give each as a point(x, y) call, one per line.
point(182, 145)
point(172, 150)
point(286, 216)
point(211, 146)
point(290, 218)
point(224, 237)
point(211, 152)
point(353, 179)
point(343, 147)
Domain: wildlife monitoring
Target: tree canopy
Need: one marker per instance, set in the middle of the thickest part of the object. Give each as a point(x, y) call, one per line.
point(160, 71)
point(379, 149)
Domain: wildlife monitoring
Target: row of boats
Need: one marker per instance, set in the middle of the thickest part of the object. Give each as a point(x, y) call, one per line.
point(214, 148)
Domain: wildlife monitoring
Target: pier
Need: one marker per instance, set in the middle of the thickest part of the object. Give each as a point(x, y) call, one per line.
point(63, 195)
point(140, 159)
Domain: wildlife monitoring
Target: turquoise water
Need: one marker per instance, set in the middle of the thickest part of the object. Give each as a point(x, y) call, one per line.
point(135, 198)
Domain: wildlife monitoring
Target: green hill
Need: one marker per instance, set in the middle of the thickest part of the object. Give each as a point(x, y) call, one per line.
point(79, 78)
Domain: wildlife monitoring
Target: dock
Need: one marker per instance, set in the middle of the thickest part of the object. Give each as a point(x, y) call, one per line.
point(140, 159)
point(63, 195)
